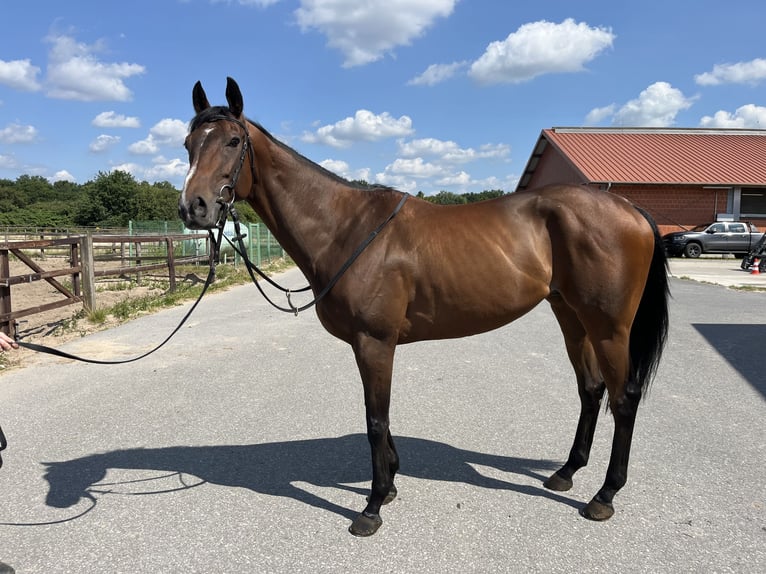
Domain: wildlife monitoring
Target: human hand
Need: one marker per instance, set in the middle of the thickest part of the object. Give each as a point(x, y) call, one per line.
point(6, 343)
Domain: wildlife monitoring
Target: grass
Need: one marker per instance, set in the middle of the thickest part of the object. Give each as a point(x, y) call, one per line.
point(226, 276)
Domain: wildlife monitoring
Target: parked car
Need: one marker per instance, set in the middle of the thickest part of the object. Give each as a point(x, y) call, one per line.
point(735, 237)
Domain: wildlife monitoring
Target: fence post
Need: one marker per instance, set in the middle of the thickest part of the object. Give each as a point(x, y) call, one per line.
point(88, 271)
point(171, 264)
point(74, 261)
point(258, 228)
point(138, 261)
point(9, 327)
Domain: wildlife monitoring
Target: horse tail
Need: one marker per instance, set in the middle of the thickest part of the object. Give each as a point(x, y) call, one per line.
point(649, 332)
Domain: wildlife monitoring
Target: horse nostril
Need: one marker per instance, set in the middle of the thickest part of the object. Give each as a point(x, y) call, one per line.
point(198, 207)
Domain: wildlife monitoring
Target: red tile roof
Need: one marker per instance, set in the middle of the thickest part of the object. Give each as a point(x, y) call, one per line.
point(659, 155)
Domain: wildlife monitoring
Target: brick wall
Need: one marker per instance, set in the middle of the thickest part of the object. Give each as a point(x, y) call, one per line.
point(678, 207)
point(673, 207)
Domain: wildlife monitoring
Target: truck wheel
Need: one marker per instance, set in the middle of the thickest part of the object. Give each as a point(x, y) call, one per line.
point(693, 250)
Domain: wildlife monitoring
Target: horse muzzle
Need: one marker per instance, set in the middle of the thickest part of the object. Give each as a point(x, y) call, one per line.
point(199, 213)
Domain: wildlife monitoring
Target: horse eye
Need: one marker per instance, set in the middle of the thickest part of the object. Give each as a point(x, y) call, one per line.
point(234, 142)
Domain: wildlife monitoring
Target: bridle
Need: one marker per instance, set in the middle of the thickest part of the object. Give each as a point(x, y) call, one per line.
point(247, 150)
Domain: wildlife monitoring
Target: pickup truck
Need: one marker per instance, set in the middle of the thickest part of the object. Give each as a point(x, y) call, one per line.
point(735, 237)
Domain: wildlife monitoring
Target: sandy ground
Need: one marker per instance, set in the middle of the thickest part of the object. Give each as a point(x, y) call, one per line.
point(57, 326)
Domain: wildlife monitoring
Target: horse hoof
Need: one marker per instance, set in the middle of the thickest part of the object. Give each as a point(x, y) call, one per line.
point(557, 483)
point(598, 511)
point(365, 524)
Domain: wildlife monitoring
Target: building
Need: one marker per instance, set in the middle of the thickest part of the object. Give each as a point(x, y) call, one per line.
point(682, 177)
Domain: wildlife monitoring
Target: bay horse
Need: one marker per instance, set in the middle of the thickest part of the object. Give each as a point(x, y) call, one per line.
point(437, 272)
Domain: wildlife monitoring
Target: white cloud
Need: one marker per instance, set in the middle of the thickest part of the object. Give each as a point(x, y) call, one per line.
point(19, 75)
point(161, 169)
point(450, 152)
point(169, 132)
point(540, 48)
point(133, 169)
point(748, 116)
point(341, 168)
point(62, 175)
point(103, 143)
point(751, 72)
point(597, 115)
point(166, 169)
point(656, 106)
point(417, 175)
point(8, 162)
point(75, 73)
point(114, 120)
point(17, 133)
point(415, 167)
point(400, 182)
point(146, 146)
point(437, 73)
point(365, 31)
point(364, 126)
point(460, 179)
point(166, 132)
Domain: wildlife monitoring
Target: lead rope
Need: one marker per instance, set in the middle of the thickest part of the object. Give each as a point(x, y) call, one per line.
point(215, 244)
point(51, 351)
point(3, 445)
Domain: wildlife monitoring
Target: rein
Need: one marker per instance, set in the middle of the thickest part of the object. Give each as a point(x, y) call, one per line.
point(227, 207)
point(252, 269)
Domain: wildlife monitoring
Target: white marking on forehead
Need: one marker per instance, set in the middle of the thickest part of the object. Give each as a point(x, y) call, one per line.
point(193, 167)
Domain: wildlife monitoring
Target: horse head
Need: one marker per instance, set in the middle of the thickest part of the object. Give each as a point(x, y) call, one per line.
point(219, 146)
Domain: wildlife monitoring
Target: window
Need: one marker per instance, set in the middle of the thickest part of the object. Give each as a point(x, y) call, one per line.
point(737, 228)
point(753, 201)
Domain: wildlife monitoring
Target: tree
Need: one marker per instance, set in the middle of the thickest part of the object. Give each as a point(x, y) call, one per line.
point(111, 200)
point(447, 198)
point(156, 202)
point(35, 188)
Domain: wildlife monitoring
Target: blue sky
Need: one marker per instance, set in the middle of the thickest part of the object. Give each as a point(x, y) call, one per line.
point(422, 95)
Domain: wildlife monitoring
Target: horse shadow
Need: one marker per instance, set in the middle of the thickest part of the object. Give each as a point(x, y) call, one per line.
point(274, 468)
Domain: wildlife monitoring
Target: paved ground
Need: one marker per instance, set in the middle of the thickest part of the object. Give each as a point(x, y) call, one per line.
point(239, 448)
point(722, 270)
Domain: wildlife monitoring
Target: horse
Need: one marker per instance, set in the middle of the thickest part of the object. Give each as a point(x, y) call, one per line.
point(447, 271)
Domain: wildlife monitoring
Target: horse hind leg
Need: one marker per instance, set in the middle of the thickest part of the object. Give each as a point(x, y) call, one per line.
point(590, 387)
point(624, 398)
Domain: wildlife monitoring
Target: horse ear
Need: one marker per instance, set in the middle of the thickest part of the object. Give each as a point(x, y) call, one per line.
point(199, 98)
point(234, 97)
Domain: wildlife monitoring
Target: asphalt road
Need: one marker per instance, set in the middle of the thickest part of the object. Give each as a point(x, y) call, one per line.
point(239, 447)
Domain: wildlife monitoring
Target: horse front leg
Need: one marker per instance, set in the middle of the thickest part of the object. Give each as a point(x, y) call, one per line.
point(375, 359)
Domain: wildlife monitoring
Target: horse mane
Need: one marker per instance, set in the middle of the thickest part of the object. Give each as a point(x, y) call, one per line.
point(213, 112)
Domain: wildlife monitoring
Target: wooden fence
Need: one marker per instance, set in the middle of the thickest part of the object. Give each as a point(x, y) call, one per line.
point(131, 255)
